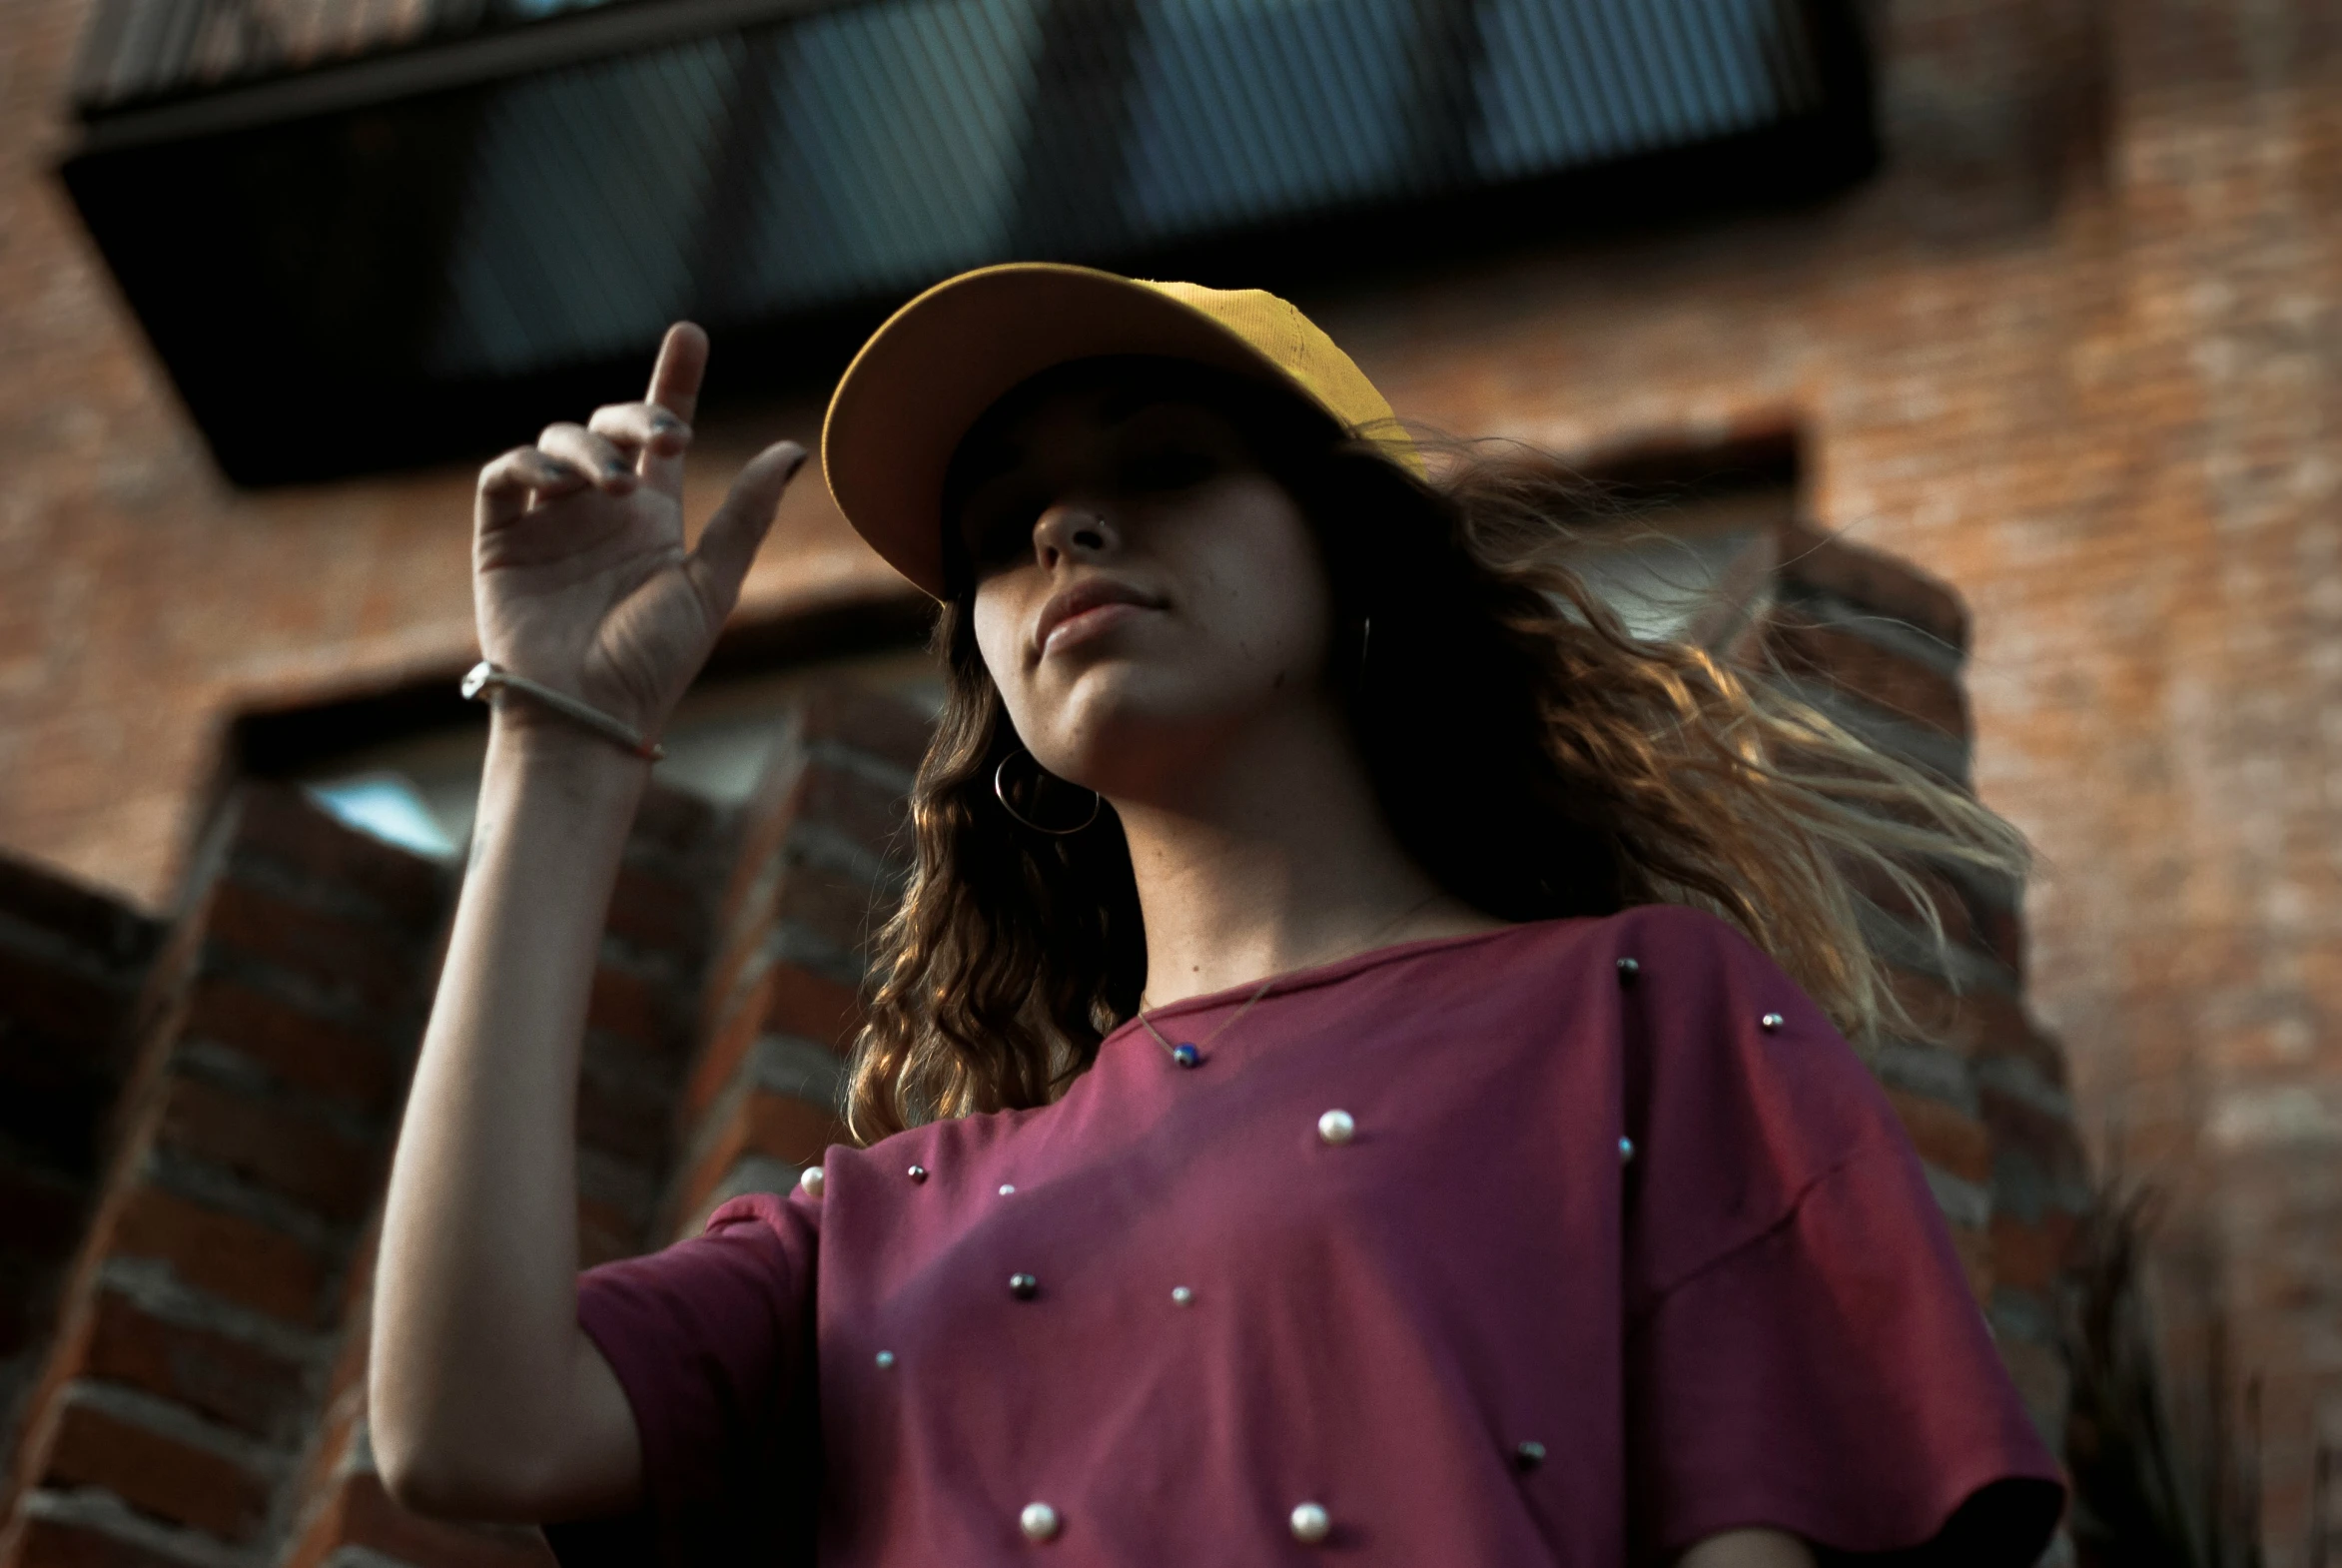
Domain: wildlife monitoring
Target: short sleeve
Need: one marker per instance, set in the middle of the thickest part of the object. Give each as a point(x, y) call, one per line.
point(711, 1342)
point(1802, 1350)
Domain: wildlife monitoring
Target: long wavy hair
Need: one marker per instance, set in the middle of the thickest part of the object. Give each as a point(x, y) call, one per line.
point(1532, 755)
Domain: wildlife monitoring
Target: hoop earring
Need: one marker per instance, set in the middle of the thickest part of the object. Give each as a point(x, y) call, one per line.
point(1000, 792)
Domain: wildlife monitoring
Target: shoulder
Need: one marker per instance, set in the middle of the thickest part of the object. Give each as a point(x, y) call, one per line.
point(1741, 1095)
point(1673, 936)
point(1701, 992)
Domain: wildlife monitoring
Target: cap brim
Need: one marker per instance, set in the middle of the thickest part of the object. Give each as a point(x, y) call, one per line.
point(926, 377)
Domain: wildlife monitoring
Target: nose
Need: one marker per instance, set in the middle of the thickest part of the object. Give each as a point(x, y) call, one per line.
point(1069, 533)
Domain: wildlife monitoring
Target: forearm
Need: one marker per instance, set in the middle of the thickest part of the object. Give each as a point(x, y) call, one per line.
point(477, 1373)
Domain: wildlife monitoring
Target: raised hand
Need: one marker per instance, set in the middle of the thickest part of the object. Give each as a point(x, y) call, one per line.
point(579, 575)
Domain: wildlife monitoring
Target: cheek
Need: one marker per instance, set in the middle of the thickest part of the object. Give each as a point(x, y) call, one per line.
point(995, 618)
point(1277, 605)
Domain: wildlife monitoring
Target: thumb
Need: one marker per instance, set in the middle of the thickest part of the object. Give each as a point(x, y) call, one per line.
point(728, 544)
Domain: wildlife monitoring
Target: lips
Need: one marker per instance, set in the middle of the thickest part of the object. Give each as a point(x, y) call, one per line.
point(1091, 602)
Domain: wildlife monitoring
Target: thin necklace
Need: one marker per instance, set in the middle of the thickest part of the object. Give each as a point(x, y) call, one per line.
point(1189, 1052)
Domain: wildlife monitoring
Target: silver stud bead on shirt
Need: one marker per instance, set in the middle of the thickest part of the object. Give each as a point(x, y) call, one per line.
point(1771, 1022)
point(1337, 1126)
point(1183, 1296)
point(1008, 1188)
point(1039, 1521)
point(1626, 1150)
point(810, 1178)
point(1311, 1523)
point(1024, 1287)
point(1628, 969)
point(886, 1359)
point(1527, 1456)
point(918, 1173)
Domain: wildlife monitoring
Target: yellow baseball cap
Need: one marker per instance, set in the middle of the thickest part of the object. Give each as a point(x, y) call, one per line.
point(925, 377)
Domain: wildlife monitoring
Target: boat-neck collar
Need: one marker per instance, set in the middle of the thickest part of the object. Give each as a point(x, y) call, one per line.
point(1317, 976)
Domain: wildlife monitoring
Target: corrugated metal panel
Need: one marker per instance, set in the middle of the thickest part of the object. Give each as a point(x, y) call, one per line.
point(443, 237)
point(867, 149)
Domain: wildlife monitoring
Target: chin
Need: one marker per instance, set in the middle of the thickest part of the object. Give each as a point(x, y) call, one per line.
point(1119, 721)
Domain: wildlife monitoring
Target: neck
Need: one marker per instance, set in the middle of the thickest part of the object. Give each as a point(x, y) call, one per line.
point(1279, 859)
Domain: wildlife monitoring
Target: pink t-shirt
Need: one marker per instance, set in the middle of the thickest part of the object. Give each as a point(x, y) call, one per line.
point(1681, 1252)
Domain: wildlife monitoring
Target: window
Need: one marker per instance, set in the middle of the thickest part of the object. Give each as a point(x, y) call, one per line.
point(444, 243)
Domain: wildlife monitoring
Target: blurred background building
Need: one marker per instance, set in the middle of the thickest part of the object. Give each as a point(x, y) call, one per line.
point(1986, 355)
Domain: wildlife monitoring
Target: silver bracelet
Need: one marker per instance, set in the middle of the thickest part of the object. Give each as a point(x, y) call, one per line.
point(487, 677)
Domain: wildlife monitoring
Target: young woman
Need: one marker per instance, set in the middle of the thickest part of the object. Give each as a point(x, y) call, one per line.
point(1359, 1067)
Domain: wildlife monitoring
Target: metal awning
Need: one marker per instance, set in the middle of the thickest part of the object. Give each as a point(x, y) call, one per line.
point(332, 216)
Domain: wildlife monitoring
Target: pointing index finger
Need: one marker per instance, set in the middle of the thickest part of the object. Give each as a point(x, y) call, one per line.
point(675, 383)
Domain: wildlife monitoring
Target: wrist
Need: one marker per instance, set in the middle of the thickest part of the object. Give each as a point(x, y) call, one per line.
point(537, 744)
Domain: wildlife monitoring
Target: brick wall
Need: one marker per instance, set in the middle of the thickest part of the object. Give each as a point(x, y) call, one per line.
point(2074, 350)
point(73, 973)
point(190, 1309)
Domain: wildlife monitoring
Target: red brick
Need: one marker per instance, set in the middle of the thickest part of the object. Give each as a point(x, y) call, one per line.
point(1946, 1137)
point(78, 1009)
point(104, 928)
point(2031, 1257)
point(157, 1474)
point(631, 1007)
point(869, 813)
point(293, 1043)
point(1999, 931)
point(1949, 905)
point(788, 999)
point(1979, 1021)
point(273, 1144)
point(796, 1001)
point(283, 825)
point(40, 1210)
point(606, 1232)
point(659, 910)
point(885, 727)
point(229, 1380)
point(726, 1048)
point(671, 822)
point(1974, 1247)
point(834, 906)
point(367, 962)
point(619, 1119)
point(1864, 669)
point(1874, 581)
point(235, 1257)
point(766, 820)
point(780, 1126)
point(60, 1544)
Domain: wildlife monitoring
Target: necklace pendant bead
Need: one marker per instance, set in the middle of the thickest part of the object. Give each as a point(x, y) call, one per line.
point(1185, 1055)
